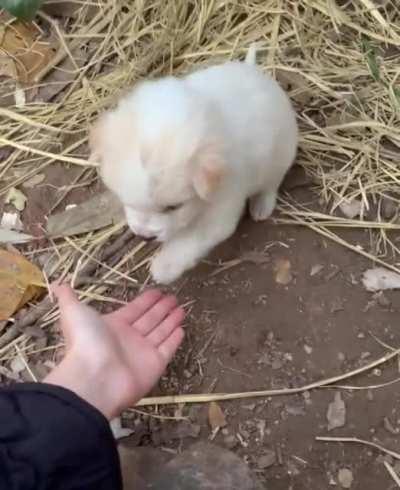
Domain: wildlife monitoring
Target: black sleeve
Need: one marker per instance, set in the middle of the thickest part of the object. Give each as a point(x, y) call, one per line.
point(50, 439)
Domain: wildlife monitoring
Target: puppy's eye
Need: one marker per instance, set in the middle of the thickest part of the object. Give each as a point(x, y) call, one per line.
point(172, 208)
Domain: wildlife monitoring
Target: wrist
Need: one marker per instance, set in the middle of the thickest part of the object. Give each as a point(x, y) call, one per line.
point(92, 383)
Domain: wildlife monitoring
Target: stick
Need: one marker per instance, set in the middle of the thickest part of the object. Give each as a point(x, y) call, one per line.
point(206, 398)
point(355, 440)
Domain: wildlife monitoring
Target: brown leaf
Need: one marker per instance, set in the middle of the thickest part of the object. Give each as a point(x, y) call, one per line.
point(216, 417)
point(22, 52)
point(283, 274)
point(20, 282)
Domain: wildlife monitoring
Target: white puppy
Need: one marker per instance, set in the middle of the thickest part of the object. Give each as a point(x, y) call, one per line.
point(184, 155)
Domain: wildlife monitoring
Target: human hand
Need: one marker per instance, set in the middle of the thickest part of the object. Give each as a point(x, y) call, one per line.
point(113, 360)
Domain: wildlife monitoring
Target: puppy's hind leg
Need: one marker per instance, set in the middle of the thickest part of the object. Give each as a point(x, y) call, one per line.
point(262, 205)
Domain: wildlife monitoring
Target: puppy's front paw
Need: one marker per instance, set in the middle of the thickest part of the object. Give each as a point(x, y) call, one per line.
point(167, 267)
point(262, 205)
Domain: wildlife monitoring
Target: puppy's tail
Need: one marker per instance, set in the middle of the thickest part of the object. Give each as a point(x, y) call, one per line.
point(251, 56)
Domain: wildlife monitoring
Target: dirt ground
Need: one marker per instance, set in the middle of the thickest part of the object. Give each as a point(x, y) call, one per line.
point(247, 332)
point(266, 335)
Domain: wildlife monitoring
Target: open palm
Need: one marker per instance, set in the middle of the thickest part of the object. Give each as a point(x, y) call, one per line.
point(129, 348)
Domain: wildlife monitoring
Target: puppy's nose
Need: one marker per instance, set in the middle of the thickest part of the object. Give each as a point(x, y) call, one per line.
point(148, 238)
point(143, 233)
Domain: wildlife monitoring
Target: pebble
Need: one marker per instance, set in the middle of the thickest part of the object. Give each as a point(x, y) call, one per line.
point(266, 460)
point(345, 478)
point(230, 441)
point(388, 208)
point(308, 349)
point(277, 364)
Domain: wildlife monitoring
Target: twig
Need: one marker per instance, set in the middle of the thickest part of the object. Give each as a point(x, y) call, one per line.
point(205, 398)
point(392, 473)
point(355, 440)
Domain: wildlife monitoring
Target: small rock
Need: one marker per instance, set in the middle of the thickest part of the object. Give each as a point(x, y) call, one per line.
point(316, 269)
point(341, 357)
point(17, 365)
point(345, 478)
point(276, 364)
point(266, 460)
point(352, 208)
point(388, 208)
point(203, 467)
point(336, 413)
point(308, 349)
point(283, 273)
point(230, 442)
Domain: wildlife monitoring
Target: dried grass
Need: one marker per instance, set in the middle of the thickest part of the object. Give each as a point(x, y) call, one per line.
point(339, 65)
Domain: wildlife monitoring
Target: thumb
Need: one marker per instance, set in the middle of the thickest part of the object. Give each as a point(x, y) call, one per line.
point(78, 321)
point(64, 294)
point(68, 303)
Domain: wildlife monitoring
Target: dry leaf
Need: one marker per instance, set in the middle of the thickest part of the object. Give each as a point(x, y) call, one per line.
point(216, 417)
point(22, 53)
point(16, 198)
point(379, 278)
point(283, 274)
point(20, 282)
point(351, 209)
point(100, 211)
point(34, 181)
point(336, 414)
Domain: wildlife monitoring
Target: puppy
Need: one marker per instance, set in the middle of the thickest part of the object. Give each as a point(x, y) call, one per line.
point(184, 154)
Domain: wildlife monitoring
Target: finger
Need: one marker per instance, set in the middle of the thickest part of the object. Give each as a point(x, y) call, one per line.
point(67, 299)
point(64, 294)
point(160, 333)
point(171, 344)
point(136, 308)
point(155, 315)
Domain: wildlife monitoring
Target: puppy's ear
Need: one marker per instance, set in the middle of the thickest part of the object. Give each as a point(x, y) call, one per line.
point(209, 171)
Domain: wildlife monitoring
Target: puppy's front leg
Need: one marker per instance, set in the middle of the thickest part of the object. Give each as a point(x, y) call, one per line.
point(185, 250)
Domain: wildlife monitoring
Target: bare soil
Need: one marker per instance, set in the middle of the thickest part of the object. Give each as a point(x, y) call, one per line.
point(261, 335)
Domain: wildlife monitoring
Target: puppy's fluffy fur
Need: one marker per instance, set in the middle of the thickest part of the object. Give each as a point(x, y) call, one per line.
point(184, 155)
